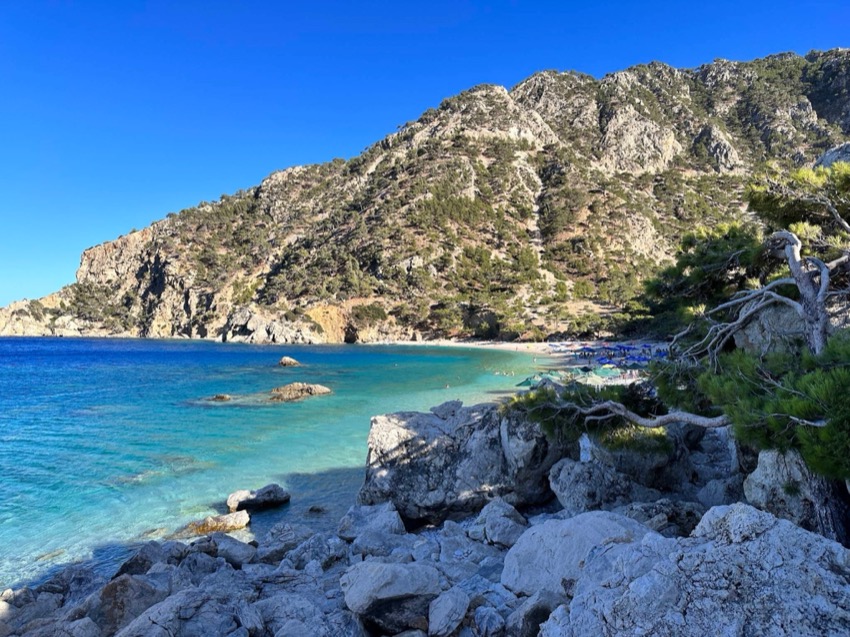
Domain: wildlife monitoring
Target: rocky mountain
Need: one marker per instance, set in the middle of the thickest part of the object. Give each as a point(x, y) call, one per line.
point(501, 212)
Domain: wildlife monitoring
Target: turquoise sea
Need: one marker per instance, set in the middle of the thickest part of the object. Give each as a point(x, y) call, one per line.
point(105, 443)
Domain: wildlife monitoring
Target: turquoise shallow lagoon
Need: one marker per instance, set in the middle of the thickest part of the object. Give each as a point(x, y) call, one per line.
point(104, 443)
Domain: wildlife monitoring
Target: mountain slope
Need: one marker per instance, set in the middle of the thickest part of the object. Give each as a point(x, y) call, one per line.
point(499, 212)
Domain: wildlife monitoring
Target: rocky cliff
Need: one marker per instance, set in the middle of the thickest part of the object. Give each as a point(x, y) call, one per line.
point(499, 212)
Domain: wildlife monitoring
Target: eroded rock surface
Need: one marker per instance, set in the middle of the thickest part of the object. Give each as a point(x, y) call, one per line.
point(454, 460)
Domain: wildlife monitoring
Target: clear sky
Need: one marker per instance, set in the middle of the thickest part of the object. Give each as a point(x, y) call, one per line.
point(114, 113)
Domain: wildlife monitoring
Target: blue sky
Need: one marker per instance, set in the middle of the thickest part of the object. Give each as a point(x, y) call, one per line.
point(114, 113)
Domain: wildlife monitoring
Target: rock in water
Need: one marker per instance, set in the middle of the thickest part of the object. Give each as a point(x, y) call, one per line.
point(453, 461)
point(213, 523)
point(270, 496)
point(288, 361)
point(297, 391)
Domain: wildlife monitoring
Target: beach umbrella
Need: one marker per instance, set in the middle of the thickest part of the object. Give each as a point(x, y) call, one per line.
point(607, 372)
point(593, 381)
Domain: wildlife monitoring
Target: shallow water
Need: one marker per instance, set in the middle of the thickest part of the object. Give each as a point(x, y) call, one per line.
point(110, 442)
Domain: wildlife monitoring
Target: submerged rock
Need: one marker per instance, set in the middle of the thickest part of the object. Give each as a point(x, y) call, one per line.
point(213, 523)
point(267, 497)
point(297, 391)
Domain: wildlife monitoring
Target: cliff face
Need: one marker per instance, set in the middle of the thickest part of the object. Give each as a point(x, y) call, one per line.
point(496, 212)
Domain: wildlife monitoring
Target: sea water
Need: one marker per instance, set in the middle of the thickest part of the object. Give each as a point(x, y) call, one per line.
point(106, 443)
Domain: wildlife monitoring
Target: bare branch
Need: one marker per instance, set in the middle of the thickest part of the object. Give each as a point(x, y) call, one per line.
point(650, 422)
point(802, 421)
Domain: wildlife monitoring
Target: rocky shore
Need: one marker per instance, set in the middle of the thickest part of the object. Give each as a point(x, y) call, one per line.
point(471, 523)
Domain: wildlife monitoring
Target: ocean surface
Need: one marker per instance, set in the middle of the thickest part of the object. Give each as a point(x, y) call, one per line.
point(107, 443)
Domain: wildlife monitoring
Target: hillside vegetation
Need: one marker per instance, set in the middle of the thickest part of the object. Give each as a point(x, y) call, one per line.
point(526, 212)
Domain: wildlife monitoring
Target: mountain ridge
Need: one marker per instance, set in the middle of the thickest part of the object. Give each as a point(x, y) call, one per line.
point(500, 213)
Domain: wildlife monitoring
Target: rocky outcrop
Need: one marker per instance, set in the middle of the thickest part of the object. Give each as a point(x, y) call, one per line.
point(391, 597)
point(267, 497)
point(742, 572)
point(250, 326)
point(590, 486)
point(288, 361)
point(785, 486)
point(452, 461)
point(549, 557)
point(833, 155)
point(297, 391)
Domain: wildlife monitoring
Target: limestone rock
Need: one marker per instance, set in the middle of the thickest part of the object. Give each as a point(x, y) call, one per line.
point(498, 523)
point(549, 557)
point(634, 143)
point(288, 361)
point(446, 612)
point(252, 325)
point(670, 518)
point(743, 572)
point(489, 622)
point(590, 486)
point(125, 598)
point(141, 561)
point(297, 391)
point(282, 538)
point(391, 597)
point(233, 551)
point(213, 523)
point(291, 614)
point(267, 497)
point(195, 611)
point(833, 155)
point(526, 619)
point(454, 460)
point(713, 141)
point(785, 486)
point(379, 517)
point(323, 548)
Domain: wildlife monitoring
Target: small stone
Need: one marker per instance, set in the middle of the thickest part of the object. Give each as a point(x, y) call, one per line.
point(221, 398)
point(288, 361)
